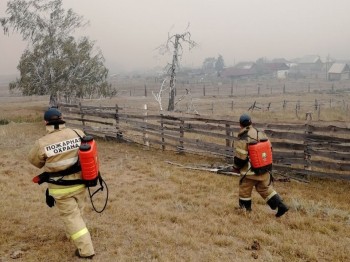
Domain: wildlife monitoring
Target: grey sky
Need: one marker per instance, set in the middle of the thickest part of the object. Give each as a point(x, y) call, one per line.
point(128, 31)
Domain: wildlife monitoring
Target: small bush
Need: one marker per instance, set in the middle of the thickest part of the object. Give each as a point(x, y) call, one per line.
point(4, 122)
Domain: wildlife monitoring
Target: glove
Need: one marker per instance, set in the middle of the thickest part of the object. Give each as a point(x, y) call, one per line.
point(50, 201)
point(39, 179)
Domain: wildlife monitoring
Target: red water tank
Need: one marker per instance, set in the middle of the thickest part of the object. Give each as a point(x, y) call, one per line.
point(260, 153)
point(88, 158)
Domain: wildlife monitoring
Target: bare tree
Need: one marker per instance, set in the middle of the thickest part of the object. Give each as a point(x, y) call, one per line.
point(158, 96)
point(190, 106)
point(175, 42)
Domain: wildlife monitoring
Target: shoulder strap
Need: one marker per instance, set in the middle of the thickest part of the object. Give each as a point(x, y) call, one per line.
point(257, 135)
point(78, 134)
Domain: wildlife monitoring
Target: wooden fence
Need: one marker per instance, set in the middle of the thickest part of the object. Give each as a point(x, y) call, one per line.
point(303, 149)
point(213, 86)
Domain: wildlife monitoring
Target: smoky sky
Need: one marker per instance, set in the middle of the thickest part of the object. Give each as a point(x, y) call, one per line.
point(128, 32)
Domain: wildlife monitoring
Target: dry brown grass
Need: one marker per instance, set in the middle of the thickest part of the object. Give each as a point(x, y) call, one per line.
point(159, 212)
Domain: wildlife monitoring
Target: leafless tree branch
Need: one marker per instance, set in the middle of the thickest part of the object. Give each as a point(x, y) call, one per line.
point(158, 96)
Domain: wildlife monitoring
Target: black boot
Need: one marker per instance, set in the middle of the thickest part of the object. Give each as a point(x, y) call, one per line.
point(78, 255)
point(247, 204)
point(282, 208)
point(276, 202)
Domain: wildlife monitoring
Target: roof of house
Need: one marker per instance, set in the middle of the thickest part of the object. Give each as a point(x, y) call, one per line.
point(275, 66)
point(280, 60)
point(309, 59)
point(338, 68)
point(241, 69)
point(244, 65)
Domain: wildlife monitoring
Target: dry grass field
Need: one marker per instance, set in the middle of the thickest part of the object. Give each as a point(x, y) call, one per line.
point(160, 212)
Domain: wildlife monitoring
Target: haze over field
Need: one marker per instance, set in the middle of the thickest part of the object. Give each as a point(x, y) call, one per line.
point(128, 32)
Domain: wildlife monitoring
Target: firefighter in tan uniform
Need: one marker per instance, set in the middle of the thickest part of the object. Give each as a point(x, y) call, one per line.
point(57, 153)
point(250, 179)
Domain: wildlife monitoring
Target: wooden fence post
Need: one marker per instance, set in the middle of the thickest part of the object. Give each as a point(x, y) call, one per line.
point(182, 134)
point(145, 91)
point(81, 113)
point(162, 130)
point(319, 112)
point(203, 90)
point(125, 113)
point(308, 116)
point(307, 147)
point(297, 108)
point(252, 106)
point(229, 150)
point(117, 127)
point(145, 120)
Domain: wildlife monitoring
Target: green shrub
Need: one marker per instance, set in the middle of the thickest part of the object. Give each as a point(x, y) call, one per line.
point(4, 122)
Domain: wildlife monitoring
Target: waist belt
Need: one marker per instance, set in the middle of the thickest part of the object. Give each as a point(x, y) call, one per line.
point(46, 177)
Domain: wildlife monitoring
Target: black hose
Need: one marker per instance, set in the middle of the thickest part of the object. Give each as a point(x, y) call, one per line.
point(102, 182)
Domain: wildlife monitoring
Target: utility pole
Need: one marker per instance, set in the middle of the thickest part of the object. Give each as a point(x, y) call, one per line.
point(327, 62)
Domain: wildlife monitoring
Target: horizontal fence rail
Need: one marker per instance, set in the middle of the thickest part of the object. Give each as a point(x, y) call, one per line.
point(305, 149)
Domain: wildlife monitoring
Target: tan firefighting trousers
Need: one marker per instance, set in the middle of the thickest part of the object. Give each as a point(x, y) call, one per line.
point(70, 208)
point(262, 184)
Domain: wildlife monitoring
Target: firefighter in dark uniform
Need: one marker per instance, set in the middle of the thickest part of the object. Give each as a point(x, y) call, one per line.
point(57, 152)
point(250, 178)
